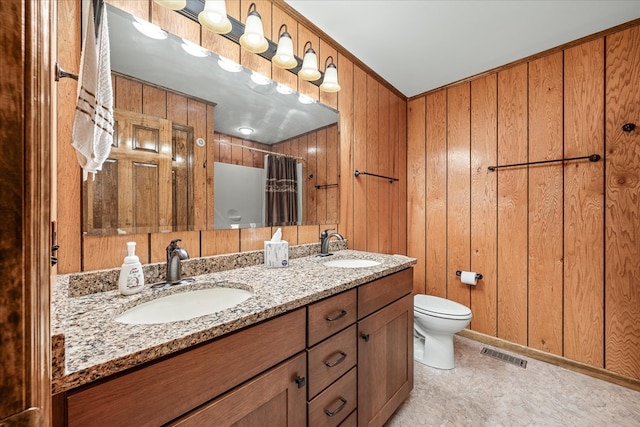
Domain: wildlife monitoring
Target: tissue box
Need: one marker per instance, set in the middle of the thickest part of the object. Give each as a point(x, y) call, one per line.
point(276, 254)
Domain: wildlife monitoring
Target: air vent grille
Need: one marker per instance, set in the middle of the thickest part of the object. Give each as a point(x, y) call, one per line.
point(504, 357)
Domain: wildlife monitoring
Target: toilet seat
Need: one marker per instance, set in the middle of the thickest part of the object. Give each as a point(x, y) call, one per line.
point(440, 307)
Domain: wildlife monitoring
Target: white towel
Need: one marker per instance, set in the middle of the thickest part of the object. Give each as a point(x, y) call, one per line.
point(92, 135)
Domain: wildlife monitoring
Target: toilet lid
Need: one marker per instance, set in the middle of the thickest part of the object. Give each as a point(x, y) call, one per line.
point(429, 304)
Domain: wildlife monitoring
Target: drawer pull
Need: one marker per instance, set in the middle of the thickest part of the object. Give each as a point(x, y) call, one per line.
point(301, 381)
point(339, 360)
point(342, 404)
point(364, 336)
point(337, 317)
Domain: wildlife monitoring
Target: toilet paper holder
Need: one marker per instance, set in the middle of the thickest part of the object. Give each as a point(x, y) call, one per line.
point(478, 275)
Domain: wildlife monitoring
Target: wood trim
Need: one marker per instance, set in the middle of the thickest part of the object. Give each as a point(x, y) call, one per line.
point(535, 56)
point(562, 362)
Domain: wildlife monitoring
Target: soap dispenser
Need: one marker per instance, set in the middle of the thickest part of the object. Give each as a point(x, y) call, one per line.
point(131, 279)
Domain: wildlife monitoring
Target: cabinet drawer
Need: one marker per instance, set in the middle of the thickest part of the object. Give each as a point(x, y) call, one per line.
point(351, 421)
point(330, 359)
point(334, 404)
point(162, 391)
point(330, 315)
point(273, 396)
point(375, 295)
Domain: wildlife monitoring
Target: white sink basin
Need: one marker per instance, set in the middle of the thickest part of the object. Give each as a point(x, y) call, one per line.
point(184, 306)
point(351, 263)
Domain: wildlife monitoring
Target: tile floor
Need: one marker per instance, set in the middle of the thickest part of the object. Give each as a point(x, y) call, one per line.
point(483, 391)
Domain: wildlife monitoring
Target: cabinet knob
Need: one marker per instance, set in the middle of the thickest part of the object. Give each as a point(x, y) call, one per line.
point(364, 336)
point(628, 127)
point(300, 381)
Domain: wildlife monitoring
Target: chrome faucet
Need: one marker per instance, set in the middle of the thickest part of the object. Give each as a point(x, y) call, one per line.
point(324, 241)
point(174, 254)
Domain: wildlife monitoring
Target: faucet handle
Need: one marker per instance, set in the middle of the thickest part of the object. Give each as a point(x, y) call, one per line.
point(324, 234)
point(174, 244)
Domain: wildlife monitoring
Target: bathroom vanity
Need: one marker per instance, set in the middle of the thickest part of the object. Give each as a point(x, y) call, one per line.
point(315, 345)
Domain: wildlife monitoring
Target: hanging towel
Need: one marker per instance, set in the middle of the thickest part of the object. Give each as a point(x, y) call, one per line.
point(92, 134)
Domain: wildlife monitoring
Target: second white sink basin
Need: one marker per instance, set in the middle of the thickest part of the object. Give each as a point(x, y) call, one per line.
point(184, 306)
point(351, 263)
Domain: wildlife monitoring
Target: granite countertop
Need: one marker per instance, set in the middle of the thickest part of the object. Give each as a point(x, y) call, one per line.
point(88, 344)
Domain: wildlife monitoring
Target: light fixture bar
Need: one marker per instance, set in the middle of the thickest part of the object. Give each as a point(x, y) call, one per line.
point(194, 7)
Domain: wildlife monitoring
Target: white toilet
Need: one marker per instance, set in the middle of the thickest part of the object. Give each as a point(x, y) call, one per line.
point(435, 320)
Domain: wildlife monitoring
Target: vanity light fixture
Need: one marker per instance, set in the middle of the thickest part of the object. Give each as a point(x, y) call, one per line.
point(330, 81)
point(253, 38)
point(245, 130)
point(214, 17)
point(284, 57)
point(172, 4)
point(194, 49)
point(309, 70)
point(228, 65)
point(148, 29)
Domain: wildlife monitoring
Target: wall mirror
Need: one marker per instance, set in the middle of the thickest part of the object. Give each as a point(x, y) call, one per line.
point(180, 109)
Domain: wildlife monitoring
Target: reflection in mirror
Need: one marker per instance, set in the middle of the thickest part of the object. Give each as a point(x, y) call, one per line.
point(181, 109)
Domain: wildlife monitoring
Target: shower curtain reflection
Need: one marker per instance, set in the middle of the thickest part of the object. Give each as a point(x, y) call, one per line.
point(281, 193)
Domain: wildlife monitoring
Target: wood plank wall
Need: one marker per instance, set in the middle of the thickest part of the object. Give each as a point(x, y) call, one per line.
point(558, 245)
point(371, 137)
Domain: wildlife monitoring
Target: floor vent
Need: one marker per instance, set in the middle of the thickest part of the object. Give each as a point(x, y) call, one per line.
point(505, 357)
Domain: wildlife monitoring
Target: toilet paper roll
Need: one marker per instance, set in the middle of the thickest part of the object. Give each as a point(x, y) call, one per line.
point(469, 277)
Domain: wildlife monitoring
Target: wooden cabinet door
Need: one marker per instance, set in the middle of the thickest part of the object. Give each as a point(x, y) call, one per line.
point(385, 361)
point(133, 192)
point(274, 398)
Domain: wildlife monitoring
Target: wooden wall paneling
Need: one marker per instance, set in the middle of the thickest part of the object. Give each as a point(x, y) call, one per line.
point(584, 204)
point(154, 101)
point(622, 312)
point(312, 177)
point(346, 126)
point(324, 52)
point(458, 191)
point(385, 156)
point(223, 150)
point(237, 152)
point(395, 200)
point(178, 109)
point(289, 233)
point(484, 148)
point(251, 60)
point(216, 242)
point(279, 17)
point(402, 173)
point(247, 153)
point(545, 204)
point(139, 8)
point(102, 252)
point(212, 154)
point(190, 240)
point(321, 171)
point(252, 239)
point(360, 144)
point(305, 35)
point(197, 119)
point(512, 204)
point(310, 233)
point(68, 209)
point(333, 165)
point(128, 95)
point(220, 44)
point(373, 166)
point(435, 189)
point(416, 193)
point(175, 23)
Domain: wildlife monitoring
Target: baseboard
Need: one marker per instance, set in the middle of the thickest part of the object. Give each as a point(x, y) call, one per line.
point(553, 359)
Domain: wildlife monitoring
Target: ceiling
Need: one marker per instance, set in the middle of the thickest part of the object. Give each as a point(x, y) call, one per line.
point(421, 45)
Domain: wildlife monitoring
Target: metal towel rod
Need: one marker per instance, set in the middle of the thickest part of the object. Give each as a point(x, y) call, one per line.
point(592, 158)
point(391, 180)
